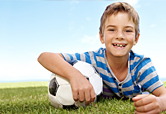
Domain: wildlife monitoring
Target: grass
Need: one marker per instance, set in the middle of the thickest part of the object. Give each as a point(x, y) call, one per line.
point(31, 98)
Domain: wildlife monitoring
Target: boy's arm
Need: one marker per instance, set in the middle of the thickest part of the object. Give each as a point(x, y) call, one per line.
point(151, 104)
point(80, 85)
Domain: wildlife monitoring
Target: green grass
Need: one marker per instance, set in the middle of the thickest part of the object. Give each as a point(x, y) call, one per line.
point(32, 98)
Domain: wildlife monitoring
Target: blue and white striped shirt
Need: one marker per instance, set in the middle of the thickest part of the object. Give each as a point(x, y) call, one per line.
point(141, 73)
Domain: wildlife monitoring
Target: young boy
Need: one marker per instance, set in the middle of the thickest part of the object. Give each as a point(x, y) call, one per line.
point(125, 74)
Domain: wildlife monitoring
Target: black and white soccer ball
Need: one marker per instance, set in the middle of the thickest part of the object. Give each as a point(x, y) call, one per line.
point(59, 89)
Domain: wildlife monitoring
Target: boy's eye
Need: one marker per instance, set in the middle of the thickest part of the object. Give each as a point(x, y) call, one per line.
point(111, 30)
point(128, 30)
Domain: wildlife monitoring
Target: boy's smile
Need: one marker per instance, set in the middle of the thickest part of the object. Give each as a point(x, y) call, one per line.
point(119, 35)
point(119, 45)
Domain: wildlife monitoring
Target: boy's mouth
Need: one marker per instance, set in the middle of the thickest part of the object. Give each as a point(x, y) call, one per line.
point(119, 45)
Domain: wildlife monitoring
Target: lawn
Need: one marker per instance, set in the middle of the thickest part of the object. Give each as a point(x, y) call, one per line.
point(31, 98)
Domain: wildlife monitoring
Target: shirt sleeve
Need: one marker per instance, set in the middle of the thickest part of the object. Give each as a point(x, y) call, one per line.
point(89, 57)
point(148, 77)
point(86, 57)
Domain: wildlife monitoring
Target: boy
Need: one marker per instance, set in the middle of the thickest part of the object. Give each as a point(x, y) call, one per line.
point(125, 74)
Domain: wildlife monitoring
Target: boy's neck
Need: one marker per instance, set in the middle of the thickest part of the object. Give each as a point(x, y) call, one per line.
point(119, 66)
point(117, 62)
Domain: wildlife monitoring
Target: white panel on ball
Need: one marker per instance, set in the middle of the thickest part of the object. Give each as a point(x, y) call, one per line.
point(64, 95)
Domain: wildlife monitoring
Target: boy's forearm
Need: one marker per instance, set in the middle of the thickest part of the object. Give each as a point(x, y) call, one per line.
point(56, 64)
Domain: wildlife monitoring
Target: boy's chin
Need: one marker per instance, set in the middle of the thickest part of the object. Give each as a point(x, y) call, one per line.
point(120, 55)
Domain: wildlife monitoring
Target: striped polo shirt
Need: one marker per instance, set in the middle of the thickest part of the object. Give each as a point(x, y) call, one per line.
point(141, 75)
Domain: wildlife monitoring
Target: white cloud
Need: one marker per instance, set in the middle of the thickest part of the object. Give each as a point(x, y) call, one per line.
point(91, 42)
point(90, 39)
point(88, 18)
point(153, 25)
point(71, 27)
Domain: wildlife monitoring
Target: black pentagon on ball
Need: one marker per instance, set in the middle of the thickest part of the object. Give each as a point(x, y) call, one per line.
point(53, 86)
point(87, 78)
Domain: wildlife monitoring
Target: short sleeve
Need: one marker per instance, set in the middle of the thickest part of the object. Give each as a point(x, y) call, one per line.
point(147, 74)
point(86, 57)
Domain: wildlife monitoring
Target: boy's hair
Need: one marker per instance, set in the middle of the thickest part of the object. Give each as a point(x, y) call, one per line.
point(117, 7)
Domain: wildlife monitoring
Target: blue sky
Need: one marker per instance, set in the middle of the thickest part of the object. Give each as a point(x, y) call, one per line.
point(28, 28)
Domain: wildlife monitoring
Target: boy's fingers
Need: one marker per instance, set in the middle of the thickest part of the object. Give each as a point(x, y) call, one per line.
point(81, 96)
point(138, 97)
point(149, 112)
point(145, 108)
point(87, 97)
point(149, 99)
point(75, 95)
point(93, 96)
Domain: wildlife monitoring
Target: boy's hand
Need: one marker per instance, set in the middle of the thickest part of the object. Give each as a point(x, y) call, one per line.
point(82, 89)
point(149, 104)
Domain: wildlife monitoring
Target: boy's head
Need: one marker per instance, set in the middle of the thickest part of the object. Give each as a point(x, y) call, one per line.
point(117, 7)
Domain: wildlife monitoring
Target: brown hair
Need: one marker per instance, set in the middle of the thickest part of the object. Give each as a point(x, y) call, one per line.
point(117, 7)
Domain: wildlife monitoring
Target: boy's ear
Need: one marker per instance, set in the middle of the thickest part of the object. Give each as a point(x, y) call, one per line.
point(101, 38)
point(136, 39)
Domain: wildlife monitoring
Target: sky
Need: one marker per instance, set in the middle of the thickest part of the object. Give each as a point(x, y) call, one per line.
point(30, 27)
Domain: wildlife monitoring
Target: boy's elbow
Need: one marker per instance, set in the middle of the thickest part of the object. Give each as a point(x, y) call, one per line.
point(41, 56)
point(47, 55)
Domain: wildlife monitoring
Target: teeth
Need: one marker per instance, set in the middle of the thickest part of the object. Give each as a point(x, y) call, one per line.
point(119, 45)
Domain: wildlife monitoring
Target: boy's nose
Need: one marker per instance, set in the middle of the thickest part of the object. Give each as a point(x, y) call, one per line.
point(120, 35)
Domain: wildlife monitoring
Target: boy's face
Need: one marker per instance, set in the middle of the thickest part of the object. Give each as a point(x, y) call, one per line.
point(119, 35)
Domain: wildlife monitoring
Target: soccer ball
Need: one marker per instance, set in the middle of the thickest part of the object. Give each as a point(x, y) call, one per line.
point(59, 89)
